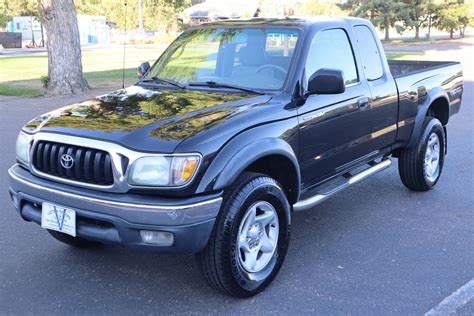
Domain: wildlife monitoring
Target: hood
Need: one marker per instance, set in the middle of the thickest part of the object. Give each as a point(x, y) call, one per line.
point(146, 119)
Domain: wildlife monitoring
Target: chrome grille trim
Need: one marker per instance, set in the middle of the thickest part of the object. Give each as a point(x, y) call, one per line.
point(117, 154)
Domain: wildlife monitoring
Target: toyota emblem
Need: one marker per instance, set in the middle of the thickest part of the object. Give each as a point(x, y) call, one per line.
point(67, 161)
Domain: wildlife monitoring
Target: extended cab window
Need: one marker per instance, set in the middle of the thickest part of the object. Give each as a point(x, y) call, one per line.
point(332, 49)
point(369, 52)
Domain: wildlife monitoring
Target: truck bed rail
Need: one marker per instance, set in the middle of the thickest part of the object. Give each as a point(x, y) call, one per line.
point(402, 68)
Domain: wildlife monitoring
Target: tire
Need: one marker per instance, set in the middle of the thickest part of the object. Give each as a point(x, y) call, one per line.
point(77, 242)
point(237, 266)
point(416, 173)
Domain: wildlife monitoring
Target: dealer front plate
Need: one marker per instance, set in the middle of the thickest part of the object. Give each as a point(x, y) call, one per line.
point(58, 218)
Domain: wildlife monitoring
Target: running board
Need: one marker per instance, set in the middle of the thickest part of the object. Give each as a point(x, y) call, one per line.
point(350, 180)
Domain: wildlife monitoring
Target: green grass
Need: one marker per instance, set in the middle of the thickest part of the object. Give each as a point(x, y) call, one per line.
point(20, 76)
point(111, 78)
point(11, 90)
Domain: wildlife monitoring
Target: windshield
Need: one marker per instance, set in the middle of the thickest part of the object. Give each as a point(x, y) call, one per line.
point(256, 58)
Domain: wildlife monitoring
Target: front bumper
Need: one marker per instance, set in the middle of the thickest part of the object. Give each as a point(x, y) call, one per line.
point(118, 218)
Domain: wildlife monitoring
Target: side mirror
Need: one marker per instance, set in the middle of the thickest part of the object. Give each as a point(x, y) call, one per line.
point(142, 69)
point(327, 81)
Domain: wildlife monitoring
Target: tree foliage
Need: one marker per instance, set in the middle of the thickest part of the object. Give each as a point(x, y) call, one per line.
point(449, 16)
point(382, 13)
point(418, 14)
point(453, 16)
point(157, 14)
point(11, 8)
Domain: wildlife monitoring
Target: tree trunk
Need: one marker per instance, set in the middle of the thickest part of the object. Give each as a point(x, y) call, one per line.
point(451, 34)
point(64, 49)
point(387, 29)
point(33, 43)
point(429, 26)
point(417, 31)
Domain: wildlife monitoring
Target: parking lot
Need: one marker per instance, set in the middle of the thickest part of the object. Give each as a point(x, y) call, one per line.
point(375, 248)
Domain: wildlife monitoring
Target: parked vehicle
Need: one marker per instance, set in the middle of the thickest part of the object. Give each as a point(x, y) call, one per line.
point(235, 127)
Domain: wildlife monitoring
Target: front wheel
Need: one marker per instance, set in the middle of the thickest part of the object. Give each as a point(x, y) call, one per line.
point(249, 242)
point(420, 167)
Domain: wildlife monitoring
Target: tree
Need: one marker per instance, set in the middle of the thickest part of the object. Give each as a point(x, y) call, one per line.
point(418, 14)
point(453, 16)
point(156, 14)
point(465, 19)
point(382, 13)
point(353, 5)
point(63, 45)
point(11, 8)
point(433, 12)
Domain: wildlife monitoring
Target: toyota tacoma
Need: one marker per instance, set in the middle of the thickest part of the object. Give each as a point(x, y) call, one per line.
point(238, 125)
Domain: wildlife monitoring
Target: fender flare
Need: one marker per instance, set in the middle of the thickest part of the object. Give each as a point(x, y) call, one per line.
point(434, 94)
point(232, 161)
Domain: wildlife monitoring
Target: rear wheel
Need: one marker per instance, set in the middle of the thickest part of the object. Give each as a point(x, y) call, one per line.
point(77, 242)
point(250, 239)
point(420, 167)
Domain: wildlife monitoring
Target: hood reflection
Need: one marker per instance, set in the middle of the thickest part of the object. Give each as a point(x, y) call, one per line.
point(168, 114)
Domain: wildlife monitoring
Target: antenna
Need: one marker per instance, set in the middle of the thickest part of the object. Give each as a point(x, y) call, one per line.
point(124, 39)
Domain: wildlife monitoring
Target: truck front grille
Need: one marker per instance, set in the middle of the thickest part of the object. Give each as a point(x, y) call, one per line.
point(73, 162)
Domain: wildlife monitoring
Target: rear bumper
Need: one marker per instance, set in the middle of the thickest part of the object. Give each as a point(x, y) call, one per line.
point(118, 218)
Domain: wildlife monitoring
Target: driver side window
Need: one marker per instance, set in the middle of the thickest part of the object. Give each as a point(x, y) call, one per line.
point(332, 49)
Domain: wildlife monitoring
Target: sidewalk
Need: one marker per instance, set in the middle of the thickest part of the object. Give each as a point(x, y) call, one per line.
point(48, 102)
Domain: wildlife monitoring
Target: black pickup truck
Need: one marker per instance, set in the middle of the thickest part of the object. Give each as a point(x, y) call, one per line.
point(234, 128)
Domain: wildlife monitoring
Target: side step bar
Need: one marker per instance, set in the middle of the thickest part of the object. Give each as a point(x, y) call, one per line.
point(350, 180)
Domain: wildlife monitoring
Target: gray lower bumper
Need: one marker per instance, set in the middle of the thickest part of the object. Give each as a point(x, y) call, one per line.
point(118, 218)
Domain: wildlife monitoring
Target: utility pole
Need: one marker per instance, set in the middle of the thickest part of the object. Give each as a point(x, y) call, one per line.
point(140, 20)
point(33, 43)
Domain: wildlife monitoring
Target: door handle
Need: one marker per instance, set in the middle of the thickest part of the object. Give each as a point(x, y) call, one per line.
point(363, 103)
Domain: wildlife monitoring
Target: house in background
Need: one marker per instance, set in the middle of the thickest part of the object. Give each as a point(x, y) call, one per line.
point(23, 25)
point(92, 29)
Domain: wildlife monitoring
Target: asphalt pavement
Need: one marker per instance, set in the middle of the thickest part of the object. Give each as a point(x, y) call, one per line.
point(375, 248)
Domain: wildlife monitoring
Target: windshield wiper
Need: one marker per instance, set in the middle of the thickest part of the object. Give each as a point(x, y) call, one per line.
point(165, 80)
point(213, 84)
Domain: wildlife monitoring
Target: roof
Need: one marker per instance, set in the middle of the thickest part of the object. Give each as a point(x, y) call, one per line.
point(284, 21)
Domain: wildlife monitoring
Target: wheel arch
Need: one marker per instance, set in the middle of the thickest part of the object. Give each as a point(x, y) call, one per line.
point(436, 104)
point(280, 168)
point(439, 108)
point(271, 156)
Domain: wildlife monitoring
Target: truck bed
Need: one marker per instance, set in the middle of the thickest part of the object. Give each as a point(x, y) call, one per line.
point(416, 80)
point(402, 68)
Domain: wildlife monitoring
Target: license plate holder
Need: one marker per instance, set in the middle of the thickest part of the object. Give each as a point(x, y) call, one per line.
point(58, 218)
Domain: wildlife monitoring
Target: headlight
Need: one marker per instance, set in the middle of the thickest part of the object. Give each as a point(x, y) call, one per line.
point(166, 171)
point(22, 148)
